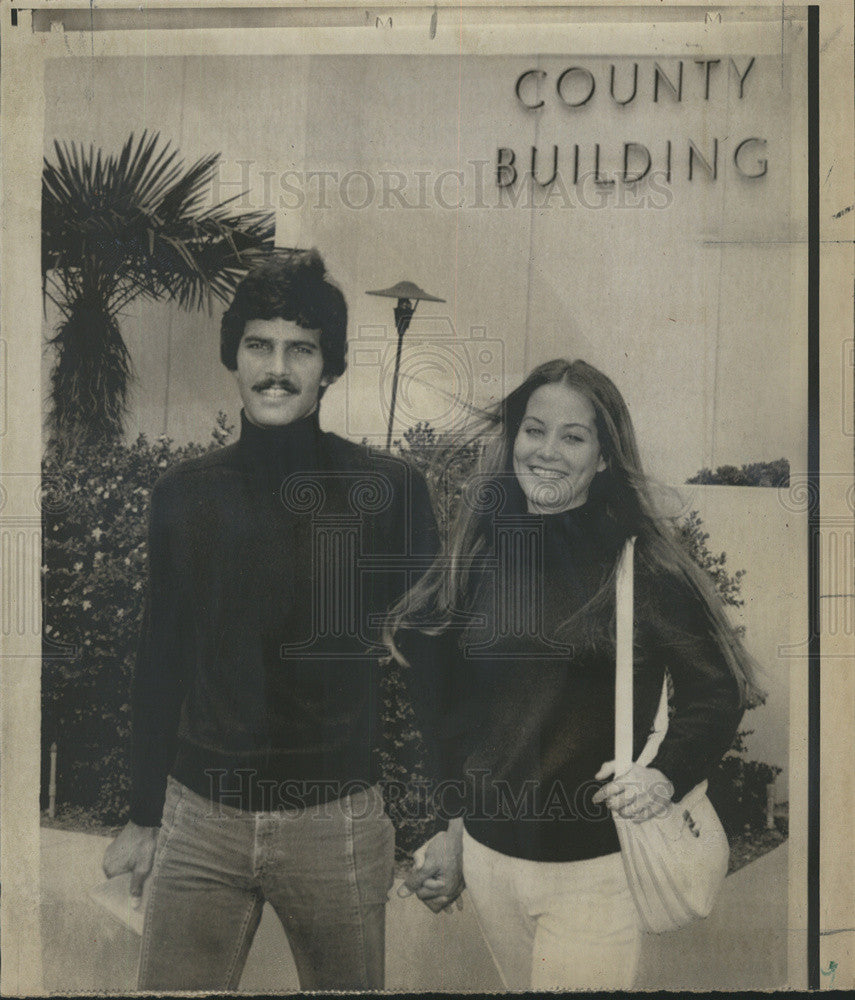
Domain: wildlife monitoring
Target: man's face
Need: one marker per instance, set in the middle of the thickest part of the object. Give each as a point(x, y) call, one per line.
point(279, 371)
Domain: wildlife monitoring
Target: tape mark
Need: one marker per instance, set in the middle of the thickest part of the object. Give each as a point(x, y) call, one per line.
point(830, 39)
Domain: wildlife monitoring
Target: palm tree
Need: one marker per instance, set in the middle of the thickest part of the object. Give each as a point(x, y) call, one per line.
point(116, 229)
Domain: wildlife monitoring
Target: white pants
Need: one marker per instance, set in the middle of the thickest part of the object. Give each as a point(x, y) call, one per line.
point(568, 925)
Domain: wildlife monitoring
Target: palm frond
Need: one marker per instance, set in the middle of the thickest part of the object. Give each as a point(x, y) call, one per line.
point(143, 218)
point(118, 227)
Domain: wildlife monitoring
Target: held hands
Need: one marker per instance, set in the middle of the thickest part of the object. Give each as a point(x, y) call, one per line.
point(437, 873)
point(132, 851)
point(637, 795)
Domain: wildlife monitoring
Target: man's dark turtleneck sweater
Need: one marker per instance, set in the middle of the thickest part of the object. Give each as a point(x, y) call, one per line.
point(226, 696)
point(527, 728)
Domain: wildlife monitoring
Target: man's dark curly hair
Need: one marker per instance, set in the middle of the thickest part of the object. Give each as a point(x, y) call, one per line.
point(293, 286)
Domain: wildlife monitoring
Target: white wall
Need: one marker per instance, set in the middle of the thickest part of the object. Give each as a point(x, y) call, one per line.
point(764, 532)
point(686, 302)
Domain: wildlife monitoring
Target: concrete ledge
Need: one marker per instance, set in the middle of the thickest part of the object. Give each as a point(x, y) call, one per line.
point(92, 944)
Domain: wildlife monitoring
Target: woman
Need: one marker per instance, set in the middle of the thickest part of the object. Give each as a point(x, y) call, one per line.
point(510, 646)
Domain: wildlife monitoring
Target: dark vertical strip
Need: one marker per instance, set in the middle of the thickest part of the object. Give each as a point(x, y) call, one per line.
point(813, 868)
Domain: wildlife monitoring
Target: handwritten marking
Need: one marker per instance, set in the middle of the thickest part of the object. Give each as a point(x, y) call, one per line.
point(830, 971)
point(379, 22)
point(842, 212)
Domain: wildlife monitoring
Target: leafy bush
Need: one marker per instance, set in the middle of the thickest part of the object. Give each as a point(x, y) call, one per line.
point(775, 473)
point(95, 512)
point(694, 538)
point(95, 506)
point(401, 765)
point(737, 788)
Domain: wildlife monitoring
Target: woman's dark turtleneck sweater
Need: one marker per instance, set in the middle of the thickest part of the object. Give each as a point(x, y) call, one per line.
point(220, 700)
point(526, 728)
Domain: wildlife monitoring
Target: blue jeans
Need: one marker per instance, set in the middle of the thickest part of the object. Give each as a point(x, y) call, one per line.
point(326, 870)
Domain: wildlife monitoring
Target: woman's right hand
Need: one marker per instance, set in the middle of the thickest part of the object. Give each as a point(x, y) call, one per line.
point(437, 873)
point(639, 794)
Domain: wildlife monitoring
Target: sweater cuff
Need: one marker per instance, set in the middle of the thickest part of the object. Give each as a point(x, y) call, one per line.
point(675, 769)
point(146, 811)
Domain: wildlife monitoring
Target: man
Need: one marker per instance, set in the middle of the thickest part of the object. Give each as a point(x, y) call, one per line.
point(255, 699)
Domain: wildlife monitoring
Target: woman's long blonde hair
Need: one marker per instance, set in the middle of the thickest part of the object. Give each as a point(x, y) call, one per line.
point(439, 597)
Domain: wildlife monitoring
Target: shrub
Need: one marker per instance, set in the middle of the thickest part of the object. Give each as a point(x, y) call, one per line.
point(401, 757)
point(737, 788)
point(775, 473)
point(95, 512)
point(694, 538)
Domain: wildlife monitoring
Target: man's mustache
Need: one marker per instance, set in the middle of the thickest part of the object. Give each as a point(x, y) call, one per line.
point(275, 383)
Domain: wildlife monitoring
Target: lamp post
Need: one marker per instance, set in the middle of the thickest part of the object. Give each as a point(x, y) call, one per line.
point(408, 295)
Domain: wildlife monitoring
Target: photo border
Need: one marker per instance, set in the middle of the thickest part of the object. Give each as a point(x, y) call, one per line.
point(22, 103)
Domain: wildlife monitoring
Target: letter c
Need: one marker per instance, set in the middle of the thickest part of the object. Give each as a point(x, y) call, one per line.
point(529, 72)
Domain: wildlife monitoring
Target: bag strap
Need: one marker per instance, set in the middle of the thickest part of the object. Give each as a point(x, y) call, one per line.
point(624, 600)
point(660, 728)
point(623, 663)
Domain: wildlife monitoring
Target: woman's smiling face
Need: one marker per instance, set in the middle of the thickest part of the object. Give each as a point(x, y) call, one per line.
point(557, 450)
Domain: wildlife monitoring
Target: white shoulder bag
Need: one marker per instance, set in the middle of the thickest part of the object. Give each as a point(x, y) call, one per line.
point(676, 862)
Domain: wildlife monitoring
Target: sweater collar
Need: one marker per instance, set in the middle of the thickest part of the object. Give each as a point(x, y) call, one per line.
point(574, 514)
point(293, 447)
point(588, 524)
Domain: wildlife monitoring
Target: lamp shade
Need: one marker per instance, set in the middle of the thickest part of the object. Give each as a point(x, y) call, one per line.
point(406, 290)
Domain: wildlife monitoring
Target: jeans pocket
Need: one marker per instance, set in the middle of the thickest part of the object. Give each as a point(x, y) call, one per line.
point(170, 805)
point(169, 820)
point(374, 856)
